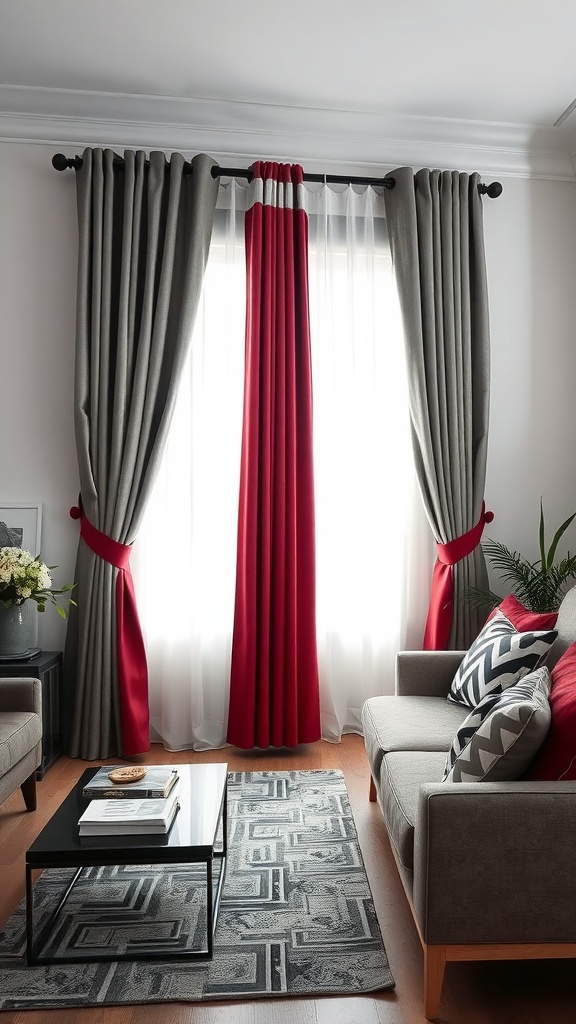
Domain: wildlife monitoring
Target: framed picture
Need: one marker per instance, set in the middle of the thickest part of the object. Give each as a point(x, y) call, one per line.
point(21, 525)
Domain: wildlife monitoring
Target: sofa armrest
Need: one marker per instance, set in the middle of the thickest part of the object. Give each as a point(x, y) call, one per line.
point(21, 695)
point(494, 862)
point(426, 673)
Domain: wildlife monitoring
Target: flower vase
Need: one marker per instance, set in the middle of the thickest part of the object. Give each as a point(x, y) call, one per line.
point(14, 630)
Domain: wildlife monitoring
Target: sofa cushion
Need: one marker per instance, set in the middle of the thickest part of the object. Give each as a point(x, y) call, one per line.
point(557, 756)
point(522, 618)
point(20, 731)
point(502, 734)
point(401, 775)
point(408, 723)
point(566, 628)
point(497, 659)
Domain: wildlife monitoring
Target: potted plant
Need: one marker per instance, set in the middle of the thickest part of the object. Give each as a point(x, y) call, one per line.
point(24, 578)
point(540, 585)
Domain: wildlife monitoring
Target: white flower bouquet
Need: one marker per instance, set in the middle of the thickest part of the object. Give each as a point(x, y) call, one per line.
point(24, 577)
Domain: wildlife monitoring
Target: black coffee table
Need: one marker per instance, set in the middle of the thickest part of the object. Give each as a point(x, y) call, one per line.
point(198, 836)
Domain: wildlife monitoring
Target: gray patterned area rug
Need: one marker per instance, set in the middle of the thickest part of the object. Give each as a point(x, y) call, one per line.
point(296, 918)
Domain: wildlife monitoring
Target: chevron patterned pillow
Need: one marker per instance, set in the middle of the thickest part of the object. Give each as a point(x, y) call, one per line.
point(497, 659)
point(503, 734)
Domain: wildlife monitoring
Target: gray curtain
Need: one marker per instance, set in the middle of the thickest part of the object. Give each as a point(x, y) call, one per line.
point(437, 241)
point(144, 235)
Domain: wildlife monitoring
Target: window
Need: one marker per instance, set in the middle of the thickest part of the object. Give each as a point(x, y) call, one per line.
point(372, 541)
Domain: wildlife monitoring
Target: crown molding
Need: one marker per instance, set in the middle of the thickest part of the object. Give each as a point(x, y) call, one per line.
point(324, 139)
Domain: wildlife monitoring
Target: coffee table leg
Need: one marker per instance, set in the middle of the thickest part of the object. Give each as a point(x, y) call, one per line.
point(213, 900)
point(209, 909)
point(225, 824)
point(32, 947)
point(29, 914)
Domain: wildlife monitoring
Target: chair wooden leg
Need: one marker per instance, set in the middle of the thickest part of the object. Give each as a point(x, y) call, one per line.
point(434, 964)
point(372, 794)
point(28, 788)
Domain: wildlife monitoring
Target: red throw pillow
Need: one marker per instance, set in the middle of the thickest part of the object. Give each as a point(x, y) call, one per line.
point(522, 618)
point(556, 758)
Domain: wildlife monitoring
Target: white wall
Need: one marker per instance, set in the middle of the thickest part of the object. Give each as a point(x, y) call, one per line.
point(531, 258)
point(38, 246)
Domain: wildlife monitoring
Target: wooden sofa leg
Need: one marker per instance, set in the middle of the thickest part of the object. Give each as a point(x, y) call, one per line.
point(28, 788)
point(372, 794)
point(434, 964)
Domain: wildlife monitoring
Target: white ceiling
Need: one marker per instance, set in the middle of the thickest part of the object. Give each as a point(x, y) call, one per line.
point(441, 68)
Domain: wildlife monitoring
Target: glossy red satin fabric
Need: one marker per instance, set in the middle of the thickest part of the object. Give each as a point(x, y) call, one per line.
point(274, 692)
point(441, 608)
point(131, 654)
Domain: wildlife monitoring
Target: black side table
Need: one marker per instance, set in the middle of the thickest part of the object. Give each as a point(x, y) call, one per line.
point(47, 667)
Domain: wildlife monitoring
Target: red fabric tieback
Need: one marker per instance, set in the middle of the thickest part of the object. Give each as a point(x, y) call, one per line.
point(111, 551)
point(441, 610)
point(130, 650)
point(458, 548)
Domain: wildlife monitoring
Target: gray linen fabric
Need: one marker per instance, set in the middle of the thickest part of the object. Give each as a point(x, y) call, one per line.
point(20, 731)
point(436, 237)
point(408, 723)
point(494, 862)
point(427, 673)
point(566, 629)
point(144, 235)
point(401, 775)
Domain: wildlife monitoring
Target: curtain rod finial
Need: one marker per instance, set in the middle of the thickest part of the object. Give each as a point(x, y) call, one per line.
point(62, 163)
point(492, 191)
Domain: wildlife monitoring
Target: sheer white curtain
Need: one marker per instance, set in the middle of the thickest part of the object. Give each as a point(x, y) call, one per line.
point(184, 561)
point(374, 550)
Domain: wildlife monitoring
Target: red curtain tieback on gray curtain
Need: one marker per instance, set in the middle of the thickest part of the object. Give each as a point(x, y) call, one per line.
point(441, 609)
point(130, 650)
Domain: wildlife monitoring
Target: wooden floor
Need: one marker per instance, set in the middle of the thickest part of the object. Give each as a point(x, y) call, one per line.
point(481, 993)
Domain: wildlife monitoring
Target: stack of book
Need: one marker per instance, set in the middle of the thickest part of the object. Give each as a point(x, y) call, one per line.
point(145, 807)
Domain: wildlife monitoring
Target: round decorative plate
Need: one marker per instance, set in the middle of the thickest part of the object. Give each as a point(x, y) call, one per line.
point(127, 774)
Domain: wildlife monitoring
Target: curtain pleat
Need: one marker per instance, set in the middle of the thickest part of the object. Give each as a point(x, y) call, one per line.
point(144, 234)
point(274, 691)
point(436, 236)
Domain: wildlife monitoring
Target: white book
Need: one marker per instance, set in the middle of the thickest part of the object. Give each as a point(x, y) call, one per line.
point(129, 817)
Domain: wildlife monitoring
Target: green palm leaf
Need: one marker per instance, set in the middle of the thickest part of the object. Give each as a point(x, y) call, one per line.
point(482, 598)
point(540, 585)
point(541, 537)
point(559, 533)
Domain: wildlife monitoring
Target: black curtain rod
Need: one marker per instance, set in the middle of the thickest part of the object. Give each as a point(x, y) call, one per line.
point(63, 163)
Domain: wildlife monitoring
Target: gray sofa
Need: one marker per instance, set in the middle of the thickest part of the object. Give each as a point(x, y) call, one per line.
point(20, 737)
point(489, 868)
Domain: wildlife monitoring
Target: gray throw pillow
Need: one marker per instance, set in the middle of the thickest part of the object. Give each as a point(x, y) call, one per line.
point(502, 735)
point(499, 657)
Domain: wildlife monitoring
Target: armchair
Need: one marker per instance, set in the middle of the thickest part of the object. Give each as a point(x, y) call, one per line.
point(20, 737)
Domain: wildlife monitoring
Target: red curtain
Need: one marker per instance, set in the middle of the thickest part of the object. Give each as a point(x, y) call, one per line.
point(274, 694)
